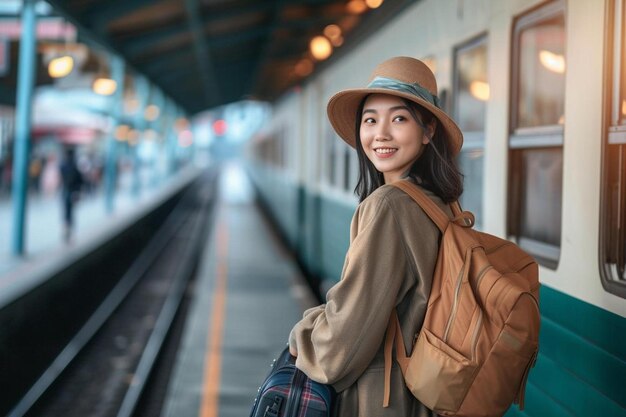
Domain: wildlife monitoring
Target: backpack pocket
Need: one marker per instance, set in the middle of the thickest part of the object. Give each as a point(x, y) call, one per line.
point(437, 375)
point(502, 377)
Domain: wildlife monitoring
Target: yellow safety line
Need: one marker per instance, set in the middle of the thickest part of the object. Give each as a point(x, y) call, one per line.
point(213, 358)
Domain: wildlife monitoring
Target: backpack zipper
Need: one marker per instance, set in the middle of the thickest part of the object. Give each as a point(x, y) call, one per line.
point(479, 322)
point(457, 290)
point(481, 274)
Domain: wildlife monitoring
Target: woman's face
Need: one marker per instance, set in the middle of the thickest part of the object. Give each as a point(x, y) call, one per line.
point(392, 139)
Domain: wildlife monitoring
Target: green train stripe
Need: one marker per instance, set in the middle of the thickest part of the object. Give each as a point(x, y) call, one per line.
point(586, 361)
point(597, 326)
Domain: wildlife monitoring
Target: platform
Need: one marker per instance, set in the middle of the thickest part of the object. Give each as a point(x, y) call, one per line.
point(249, 293)
point(46, 252)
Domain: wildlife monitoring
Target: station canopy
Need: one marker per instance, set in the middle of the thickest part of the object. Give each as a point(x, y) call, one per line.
point(206, 53)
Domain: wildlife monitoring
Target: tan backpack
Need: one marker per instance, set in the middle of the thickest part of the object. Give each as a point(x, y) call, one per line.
point(480, 333)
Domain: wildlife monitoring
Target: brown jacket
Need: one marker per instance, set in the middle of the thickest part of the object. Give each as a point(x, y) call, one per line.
point(390, 262)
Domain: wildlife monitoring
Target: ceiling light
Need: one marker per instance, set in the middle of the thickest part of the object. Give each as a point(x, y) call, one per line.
point(356, 6)
point(304, 67)
point(131, 105)
point(121, 132)
point(373, 4)
point(181, 124)
point(61, 66)
point(152, 112)
point(104, 86)
point(320, 48)
point(332, 31)
point(337, 42)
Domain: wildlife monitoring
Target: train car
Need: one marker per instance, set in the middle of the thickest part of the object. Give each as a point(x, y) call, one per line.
point(539, 92)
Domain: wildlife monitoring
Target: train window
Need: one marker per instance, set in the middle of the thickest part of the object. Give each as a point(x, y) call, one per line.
point(338, 162)
point(536, 134)
point(471, 92)
point(613, 218)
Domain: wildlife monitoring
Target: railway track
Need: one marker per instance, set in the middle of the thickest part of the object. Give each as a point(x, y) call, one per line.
point(105, 368)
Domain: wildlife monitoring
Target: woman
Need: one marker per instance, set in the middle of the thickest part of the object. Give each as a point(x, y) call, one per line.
point(399, 132)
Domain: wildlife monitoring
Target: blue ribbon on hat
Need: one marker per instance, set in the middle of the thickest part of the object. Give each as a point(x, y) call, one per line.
point(410, 88)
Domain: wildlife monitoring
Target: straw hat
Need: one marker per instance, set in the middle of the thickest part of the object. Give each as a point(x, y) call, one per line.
point(401, 76)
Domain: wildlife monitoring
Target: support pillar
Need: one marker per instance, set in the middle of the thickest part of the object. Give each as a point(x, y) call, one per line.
point(170, 144)
point(159, 127)
point(142, 92)
point(110, 174)
point(25, 87)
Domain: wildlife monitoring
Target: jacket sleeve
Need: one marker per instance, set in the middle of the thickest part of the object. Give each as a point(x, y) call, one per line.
point(337, 341)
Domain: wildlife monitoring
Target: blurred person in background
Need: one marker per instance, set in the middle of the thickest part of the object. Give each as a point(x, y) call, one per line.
point(87, 169)
point(34, 173)
point(50, 176)
point(72, 183)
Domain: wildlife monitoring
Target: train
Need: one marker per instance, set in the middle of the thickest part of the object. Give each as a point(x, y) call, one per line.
point(539, 90)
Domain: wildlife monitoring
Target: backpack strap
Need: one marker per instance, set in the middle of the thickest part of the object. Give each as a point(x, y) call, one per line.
point(438, 216)
point(394, 333)
point(456, 208)
point(461, 217)
point(389, 337)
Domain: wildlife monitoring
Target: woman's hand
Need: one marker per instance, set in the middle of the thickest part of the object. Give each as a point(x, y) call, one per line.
point(292, 344)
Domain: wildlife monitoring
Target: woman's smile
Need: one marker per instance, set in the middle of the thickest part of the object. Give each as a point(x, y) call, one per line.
point(385, 152)
point(392, 137)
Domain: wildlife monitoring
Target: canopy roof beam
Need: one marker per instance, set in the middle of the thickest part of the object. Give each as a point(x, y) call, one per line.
point(211, 92)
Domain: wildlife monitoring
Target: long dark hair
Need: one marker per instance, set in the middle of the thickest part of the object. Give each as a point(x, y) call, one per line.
point(436, 169)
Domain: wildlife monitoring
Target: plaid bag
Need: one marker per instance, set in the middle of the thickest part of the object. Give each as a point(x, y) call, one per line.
point(288, 392)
